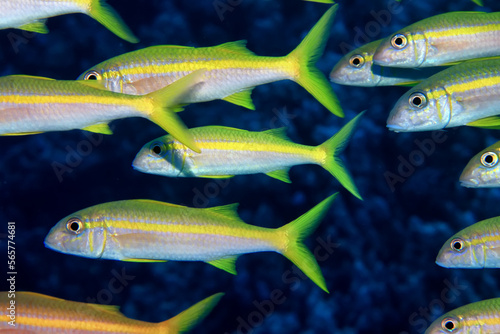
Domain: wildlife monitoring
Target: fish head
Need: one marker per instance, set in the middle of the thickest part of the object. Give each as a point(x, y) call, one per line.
point(420, 109)
point(460, 251)
point(402, 49)
point(355, 68)
point(449, 323)
point(110, 76)
point(483, 170)
point(162, 156)
point(82, 233)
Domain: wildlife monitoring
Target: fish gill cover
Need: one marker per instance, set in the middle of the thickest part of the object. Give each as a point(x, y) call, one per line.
point(377, 255)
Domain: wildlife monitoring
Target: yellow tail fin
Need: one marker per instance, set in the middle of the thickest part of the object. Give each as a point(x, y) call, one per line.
point(104, 14)
point(189, 318)
point(307, 54)
point(333, 147)
point(296, 232)
point(167, 101)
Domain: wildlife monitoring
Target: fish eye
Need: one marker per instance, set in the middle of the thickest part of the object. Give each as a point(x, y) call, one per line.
point(457, 245)
point(418, 100)
point(449, 324)
point(489, 159)
point(92, 75)
point(158, 148)
point(399, 41)
point(357, 61)
point(74, 225)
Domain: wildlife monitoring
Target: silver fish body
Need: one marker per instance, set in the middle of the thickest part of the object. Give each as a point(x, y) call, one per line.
point(459, 95)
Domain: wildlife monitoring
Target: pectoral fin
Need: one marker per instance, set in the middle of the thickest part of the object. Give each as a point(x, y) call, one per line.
point(226, 264)
point(243, 99)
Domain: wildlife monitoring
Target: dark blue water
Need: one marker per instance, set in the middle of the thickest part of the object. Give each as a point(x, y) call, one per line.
point(377, 255)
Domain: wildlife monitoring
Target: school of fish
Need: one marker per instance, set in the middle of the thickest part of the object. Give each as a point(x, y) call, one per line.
point(451, 61)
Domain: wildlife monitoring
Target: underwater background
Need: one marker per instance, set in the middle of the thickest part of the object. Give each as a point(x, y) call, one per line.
point(377, 255)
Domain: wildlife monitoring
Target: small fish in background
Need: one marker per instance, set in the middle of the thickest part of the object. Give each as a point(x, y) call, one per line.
point(483, 170)
point(232, 70)
point(38, 313)
point(477, 2)
point(226, 152)
point(152, 231)
point(477, 246)
point(30, 15)
point(481, 317)
point(464, 94)
point(30, 105)
point(357, 69)
point(442, 40)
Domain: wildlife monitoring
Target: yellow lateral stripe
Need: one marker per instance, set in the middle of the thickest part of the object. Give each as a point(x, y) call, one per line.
point(178, 228)
point(279, 64)
point(84, 324)
point(221, 145)
point(471, 84)
point(462, 31)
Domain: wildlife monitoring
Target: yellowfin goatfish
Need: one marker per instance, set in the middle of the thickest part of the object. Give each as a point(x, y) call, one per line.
point(483, 170)
point(228, 151)
point(151, 231)
point(34, 104)
point(477, 2)
point(481, 317)
point(232, 70)
point(37, 313)
point(30, 14)
point(442, 39)
point(464, 94)
point(357, 69)
point(477, 246)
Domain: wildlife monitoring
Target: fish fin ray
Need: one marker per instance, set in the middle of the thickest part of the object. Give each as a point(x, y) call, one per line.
point(99, 128)
point(37, 26)
point(278, 133)
point(238, 47)
point(190, 317)
point(296, 231)
point(492, 122)
point(280, 174)
point(105, 14)
point(229, 211)
point(242, 99)
point(307, 54)
point(333, 147)
point(227, 264)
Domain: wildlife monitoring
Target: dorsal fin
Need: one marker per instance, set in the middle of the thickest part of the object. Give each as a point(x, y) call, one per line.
point(238, 47)
point(150, 201)
point(228, 211)
point(278, 133)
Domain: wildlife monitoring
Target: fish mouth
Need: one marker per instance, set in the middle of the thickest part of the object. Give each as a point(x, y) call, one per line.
point(396, 128)
point(469, 183)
